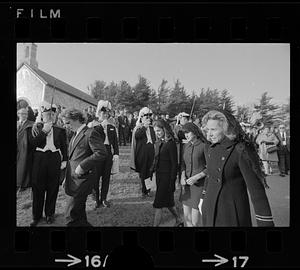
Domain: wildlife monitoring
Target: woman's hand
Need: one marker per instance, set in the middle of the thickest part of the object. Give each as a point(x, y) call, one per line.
point(191, 181)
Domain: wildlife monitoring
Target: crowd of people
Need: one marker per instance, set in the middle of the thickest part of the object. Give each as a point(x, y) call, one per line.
point(214, 160)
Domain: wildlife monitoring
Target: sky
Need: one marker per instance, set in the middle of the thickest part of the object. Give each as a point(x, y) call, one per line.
point(245, 70)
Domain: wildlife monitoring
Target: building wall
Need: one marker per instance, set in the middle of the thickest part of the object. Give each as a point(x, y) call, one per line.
point(64, 99)
point(29, 86)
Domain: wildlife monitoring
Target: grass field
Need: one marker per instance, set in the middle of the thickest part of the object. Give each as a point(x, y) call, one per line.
point(128, 208)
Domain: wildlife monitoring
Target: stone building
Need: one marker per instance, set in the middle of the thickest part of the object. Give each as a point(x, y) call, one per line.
point(35, 85)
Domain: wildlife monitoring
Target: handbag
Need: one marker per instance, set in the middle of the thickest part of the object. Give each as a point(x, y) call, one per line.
point(272, 149)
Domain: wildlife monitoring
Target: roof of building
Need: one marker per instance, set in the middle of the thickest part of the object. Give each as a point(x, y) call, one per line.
point(60, 85)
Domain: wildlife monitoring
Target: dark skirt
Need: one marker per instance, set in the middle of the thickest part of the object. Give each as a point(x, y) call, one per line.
point(144, 160)
point(164, 196)
point(190, 195)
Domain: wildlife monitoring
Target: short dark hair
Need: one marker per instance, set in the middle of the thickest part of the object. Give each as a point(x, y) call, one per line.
point(74, 114)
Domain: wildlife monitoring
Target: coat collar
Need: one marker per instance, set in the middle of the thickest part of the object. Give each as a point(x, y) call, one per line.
point(224, 143)
point(196, 143)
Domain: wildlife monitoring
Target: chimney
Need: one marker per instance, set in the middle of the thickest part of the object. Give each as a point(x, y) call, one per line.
point(27, 54)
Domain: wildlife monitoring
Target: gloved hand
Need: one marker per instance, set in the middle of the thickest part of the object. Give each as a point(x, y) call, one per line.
point(200, 206)
point(63, 165)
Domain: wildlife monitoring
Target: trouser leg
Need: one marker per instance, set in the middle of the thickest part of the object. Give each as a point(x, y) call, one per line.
point(144, 189)
point(106, 174)
point(39, 174)
point(52, 184)
point(286, 161)
point(77, 212)
point(281, 161)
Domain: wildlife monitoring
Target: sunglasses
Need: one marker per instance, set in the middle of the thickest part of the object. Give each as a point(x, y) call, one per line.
point(148, 114)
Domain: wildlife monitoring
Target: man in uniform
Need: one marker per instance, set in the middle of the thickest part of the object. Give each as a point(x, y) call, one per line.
point(50, 156)
point(112, 148)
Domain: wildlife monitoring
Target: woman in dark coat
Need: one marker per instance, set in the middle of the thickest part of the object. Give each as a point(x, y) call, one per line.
point(192, 174)
point(165, 167)
point(232, 168)
point(142, 148)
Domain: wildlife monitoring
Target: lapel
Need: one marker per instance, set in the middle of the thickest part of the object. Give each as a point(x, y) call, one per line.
point(55, 133)
point(77, 140)
point(152, 134)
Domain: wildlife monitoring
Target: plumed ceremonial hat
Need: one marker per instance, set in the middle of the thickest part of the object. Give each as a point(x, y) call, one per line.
point(183, 114)
point(103, 105)
point(144, 111)
point(46, 107)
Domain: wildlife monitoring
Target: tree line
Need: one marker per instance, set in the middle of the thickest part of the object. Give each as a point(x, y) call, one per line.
point(173, 99)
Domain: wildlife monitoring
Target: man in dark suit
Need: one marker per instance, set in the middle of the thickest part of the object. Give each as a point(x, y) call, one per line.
point(111, 143)
point(123, 124)
point(86, 152)
point(283, 150)
point(50, 156)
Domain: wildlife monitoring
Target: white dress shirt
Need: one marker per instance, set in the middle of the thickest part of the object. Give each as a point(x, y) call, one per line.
point(104, 124)
point(283, 136)
point(49, 144)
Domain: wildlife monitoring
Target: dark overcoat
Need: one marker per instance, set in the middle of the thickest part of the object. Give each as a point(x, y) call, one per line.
point(88, 151)
point(24, 154)
point(142, 153)
point(165, 166)
point(229, 175)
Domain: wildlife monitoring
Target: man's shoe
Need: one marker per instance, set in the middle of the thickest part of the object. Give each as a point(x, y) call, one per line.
point(49, 219)
point(105, 204)
point(34, 223)
point(282, 175)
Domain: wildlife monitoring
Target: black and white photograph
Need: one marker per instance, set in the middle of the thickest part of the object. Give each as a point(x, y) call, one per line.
point(153, 134)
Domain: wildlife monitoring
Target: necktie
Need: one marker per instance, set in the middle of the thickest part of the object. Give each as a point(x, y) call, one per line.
point(74, 139)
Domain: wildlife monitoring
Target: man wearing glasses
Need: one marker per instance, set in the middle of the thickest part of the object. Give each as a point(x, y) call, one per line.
point(283, 150)
point(142, 148)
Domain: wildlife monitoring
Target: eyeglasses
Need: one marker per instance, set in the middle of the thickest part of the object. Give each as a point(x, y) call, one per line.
point(148, 114)
point(281, 128)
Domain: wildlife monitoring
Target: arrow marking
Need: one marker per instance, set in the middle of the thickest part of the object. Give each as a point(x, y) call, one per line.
point(73, 260)
point(219, 261)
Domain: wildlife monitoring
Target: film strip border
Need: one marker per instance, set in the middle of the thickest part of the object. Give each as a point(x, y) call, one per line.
point(155, 23)
point(185, 248)
point(152, 23)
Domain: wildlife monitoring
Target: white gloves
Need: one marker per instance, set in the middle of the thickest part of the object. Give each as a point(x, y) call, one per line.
point(200, 206)
point(63, 165)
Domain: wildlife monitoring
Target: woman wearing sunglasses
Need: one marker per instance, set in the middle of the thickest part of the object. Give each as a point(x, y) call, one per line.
point(142, 147)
